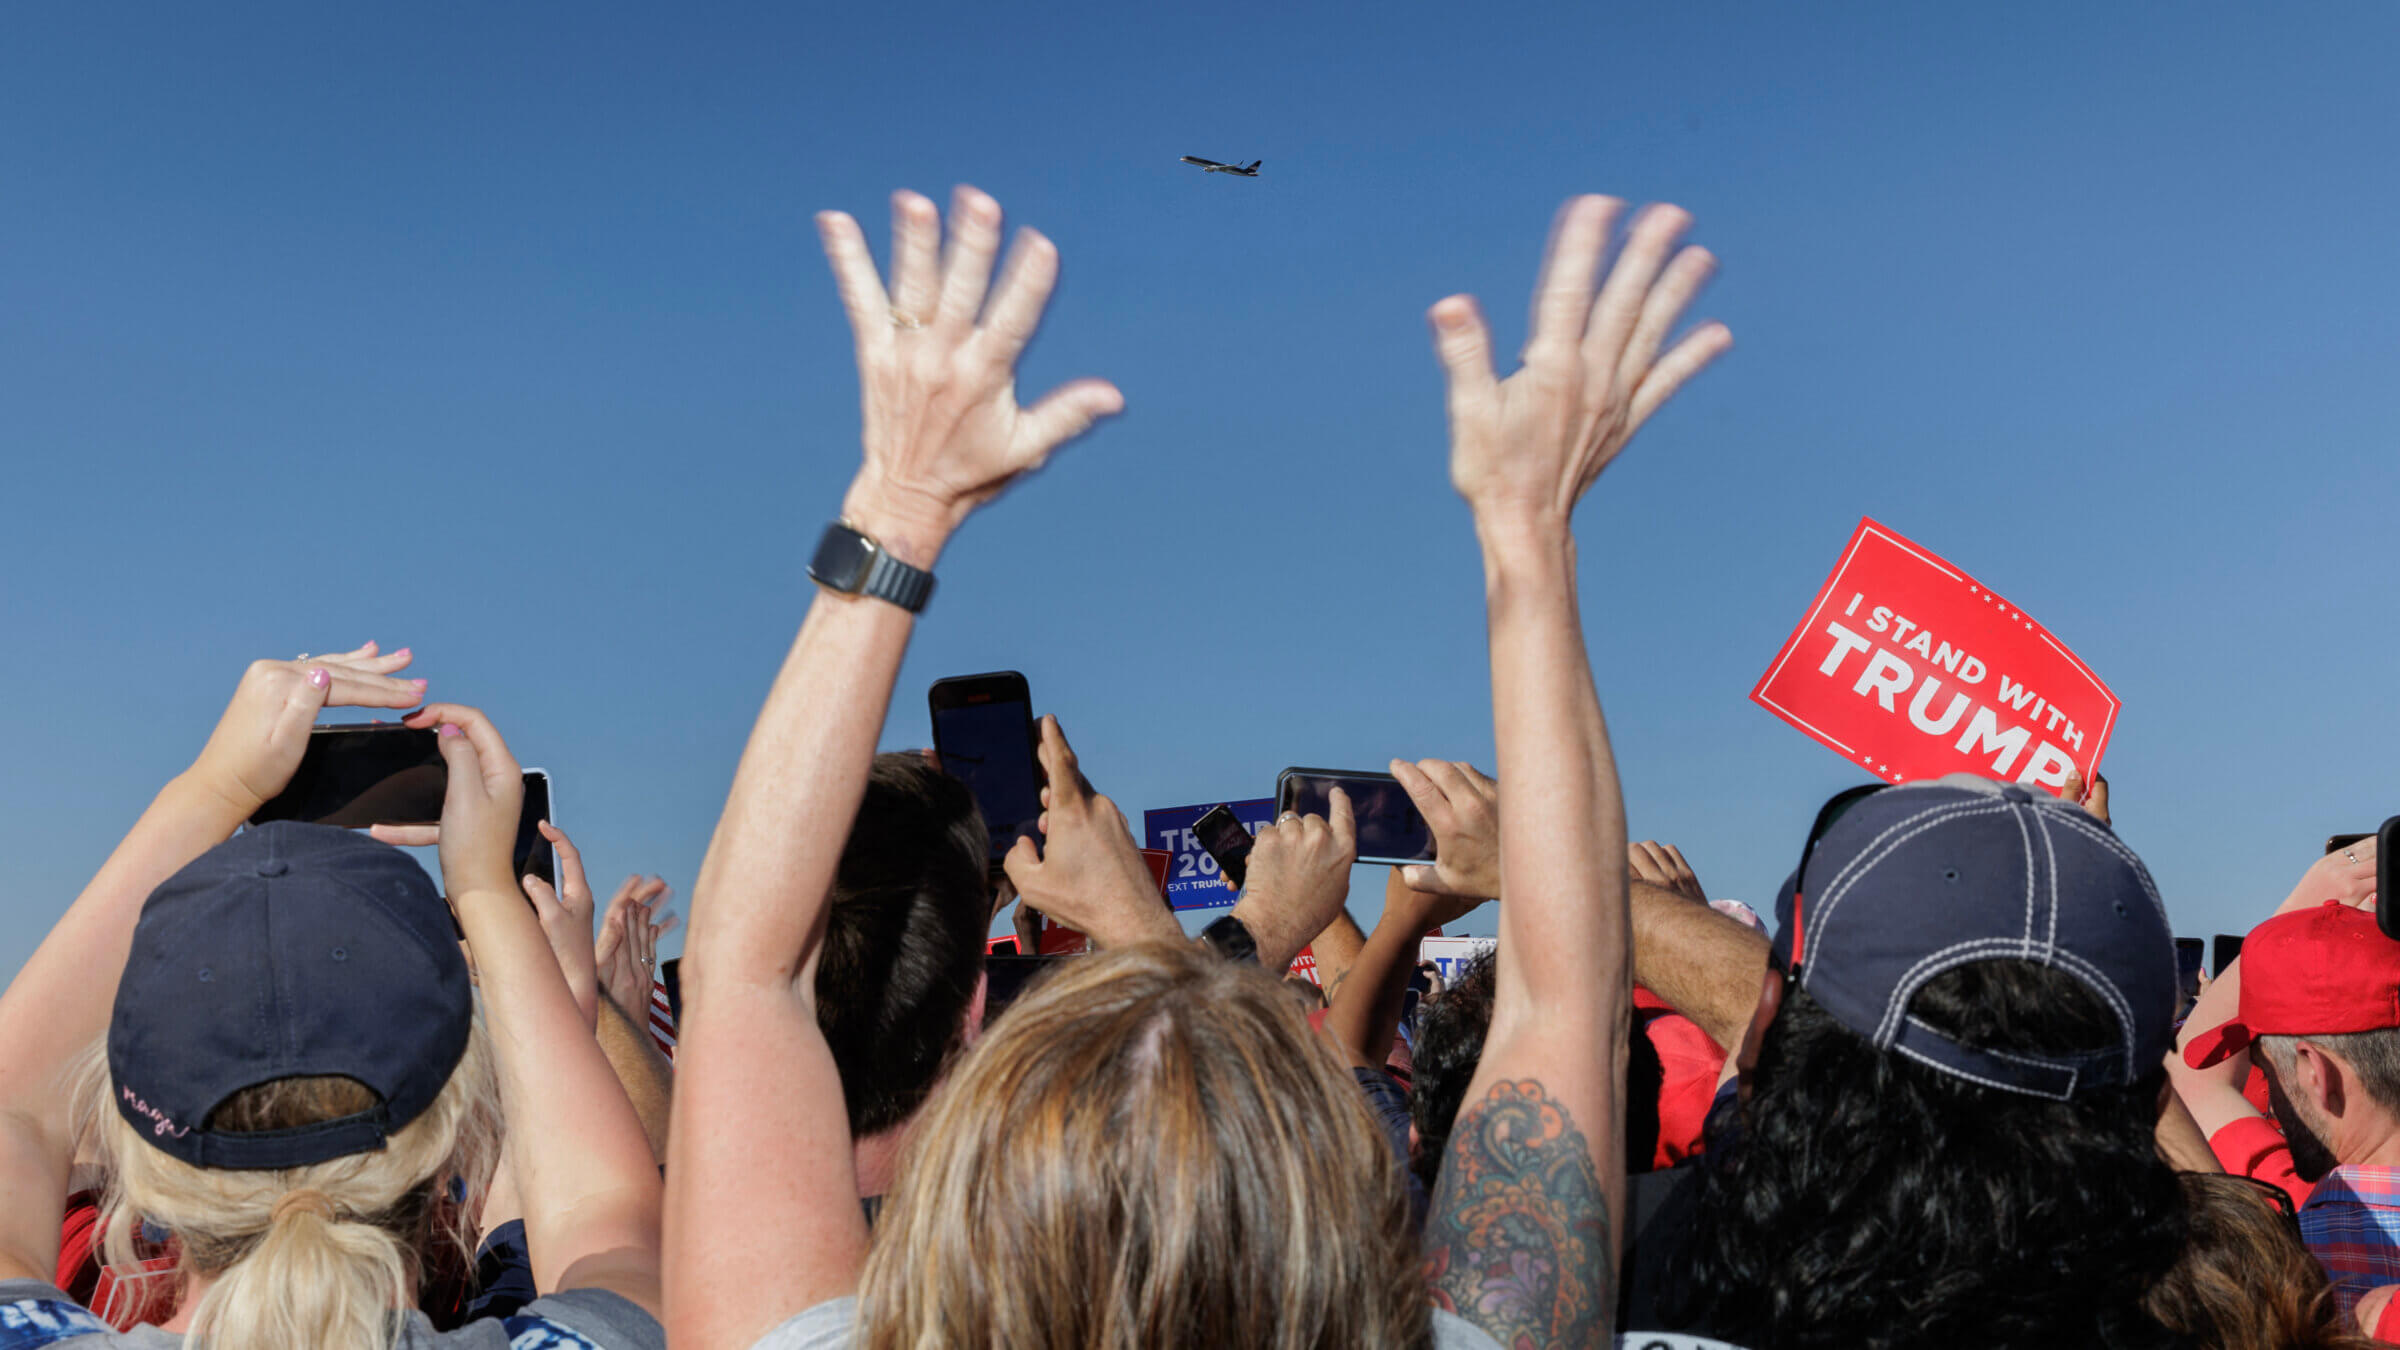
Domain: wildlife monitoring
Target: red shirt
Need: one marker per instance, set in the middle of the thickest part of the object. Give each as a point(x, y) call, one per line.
point(2253, 1147)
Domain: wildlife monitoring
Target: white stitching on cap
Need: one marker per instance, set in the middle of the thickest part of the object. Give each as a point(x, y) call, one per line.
point(2026, 941)
point(2050, 851)
point(1910, 979)
point(2074, 819)
point(1993, 1084)
point(2035, 1061)
point(1875, 853)
point(2107, 988)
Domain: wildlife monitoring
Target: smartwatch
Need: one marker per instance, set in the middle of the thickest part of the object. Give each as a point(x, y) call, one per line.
point(849, 563)
point(1231, 939)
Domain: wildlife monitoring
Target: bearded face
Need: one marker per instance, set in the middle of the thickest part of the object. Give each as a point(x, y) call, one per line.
point(2310, 1156)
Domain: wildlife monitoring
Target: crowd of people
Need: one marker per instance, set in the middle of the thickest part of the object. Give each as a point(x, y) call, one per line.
point(276, 1087)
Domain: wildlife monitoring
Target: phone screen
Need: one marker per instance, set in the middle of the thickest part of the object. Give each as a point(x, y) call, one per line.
point(1005, 977)
point(2228, 946)
point(983, 731)
point(1227, 840)
point(534, 855)
point(2188, 955)
point(1389, 828)
point(356, 776)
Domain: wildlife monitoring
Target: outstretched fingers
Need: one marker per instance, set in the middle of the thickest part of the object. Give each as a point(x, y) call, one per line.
point(967, 267)
point(1662, 309)
point(854, 277)
point(1062, 415)
point(1464, 343)
point(1628, 287)
point(1562, 298)
point(1684, 360)
point(916, 258)
point(1026, 281)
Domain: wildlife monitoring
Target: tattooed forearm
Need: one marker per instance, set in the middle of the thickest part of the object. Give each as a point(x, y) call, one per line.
point(1517, 1241)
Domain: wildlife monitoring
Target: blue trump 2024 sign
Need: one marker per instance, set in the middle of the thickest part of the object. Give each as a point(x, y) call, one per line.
point(1193, 881)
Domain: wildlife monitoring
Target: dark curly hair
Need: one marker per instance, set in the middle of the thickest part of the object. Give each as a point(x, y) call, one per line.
point(903, 939)
point(1871, 1202)
point(1449, 1044)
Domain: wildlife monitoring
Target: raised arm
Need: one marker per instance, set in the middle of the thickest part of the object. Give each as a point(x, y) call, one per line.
point(759, 1123)
point(582, 1166)
point(58, 1005)
point(1524, 1228)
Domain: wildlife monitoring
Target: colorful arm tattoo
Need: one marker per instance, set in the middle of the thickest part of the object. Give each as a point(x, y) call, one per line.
point(1517, 1241)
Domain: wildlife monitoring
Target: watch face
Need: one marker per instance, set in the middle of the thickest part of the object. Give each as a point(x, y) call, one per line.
point(842, 559)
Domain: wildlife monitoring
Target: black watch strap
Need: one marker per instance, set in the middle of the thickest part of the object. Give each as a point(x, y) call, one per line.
point(850, 563)
point(1231, 939)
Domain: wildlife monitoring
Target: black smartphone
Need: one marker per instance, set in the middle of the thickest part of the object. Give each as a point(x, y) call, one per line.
point(360, 775)
point(1227, 840)
point(983, 731)
point(2188, 954)
point(1389, 828)
point(2387, 909)
point(535, 857)
point(1005, 977)
point(2227, 947)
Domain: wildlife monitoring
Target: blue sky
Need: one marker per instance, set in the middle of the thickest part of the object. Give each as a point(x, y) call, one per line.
point(501, 332)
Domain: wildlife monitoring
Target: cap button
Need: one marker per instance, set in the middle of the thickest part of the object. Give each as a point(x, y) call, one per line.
point(273, 867)
point(2014, 793)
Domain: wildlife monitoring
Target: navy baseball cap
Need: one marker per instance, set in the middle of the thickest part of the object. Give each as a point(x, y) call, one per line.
point(1899, 884)
point(288, 950)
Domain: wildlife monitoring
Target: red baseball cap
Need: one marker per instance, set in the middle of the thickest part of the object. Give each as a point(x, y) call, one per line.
point(2319, 971)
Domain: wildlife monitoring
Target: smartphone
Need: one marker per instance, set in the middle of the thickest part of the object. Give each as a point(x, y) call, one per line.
point(360, 775)
point(2227, 947)
point(2387, 909)
point(1005, 977)
point(1389, 828)
point(2188, 954)
point(535, 857)
point(1227, 840)
point(983, 731)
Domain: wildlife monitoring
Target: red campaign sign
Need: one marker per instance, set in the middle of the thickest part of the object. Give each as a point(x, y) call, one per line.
point(1912, 669)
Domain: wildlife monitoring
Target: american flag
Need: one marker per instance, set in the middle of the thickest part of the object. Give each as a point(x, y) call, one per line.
point(662, 1018)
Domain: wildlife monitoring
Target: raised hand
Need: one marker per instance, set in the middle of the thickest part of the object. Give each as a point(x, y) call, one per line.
point(1524, 449)
point(1088, 874)
point(2347, 874)
point(1662, 865)
point(627, 951)
point(485, 795)
point(2093, 799)
point(566, 915)
point(937, 367)
point(1299, 875)
point(257, 744)
point(1462, 807)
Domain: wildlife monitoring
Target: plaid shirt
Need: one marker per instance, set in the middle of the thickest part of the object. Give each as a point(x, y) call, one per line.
point(2351, 1224)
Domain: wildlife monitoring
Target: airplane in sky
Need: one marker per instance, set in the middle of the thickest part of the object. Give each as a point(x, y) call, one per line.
point(1249, 170)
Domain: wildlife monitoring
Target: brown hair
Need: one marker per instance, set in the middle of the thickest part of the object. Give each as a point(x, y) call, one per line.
point(1149, 1148)
point(2245, 1282)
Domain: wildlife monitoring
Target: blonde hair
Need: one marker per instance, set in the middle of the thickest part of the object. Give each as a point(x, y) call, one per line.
point(324, 1255)
point(1150, 1148)
point(2245, 1282)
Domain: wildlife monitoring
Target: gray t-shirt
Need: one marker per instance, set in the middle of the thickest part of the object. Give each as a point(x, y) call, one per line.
point(827, 1327)
point(34, 1314)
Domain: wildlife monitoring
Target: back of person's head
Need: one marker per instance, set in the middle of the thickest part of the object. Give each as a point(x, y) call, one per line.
point(295, 1085)
point(1876, 1200)
point(1149, 1148)
point(1451, 1027)
point(2245, 1281)
point(325, 1254)
point(904, 939)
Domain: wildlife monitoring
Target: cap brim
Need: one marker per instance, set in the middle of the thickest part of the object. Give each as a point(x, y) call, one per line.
point(2218, 1045)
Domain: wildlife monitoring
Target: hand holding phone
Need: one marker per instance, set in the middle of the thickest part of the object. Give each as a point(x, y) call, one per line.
point(984, 736)
point(1299, 877)
point(1226, 840)
point(1390, 829)
point(1088, 874)
point(1462, 807)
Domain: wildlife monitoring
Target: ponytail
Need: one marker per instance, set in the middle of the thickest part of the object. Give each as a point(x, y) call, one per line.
point(324, 1255)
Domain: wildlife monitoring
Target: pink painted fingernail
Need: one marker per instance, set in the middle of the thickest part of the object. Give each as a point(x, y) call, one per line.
point(420, 683)
point(320, 677)
point(404, 652)
point(450, 729)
